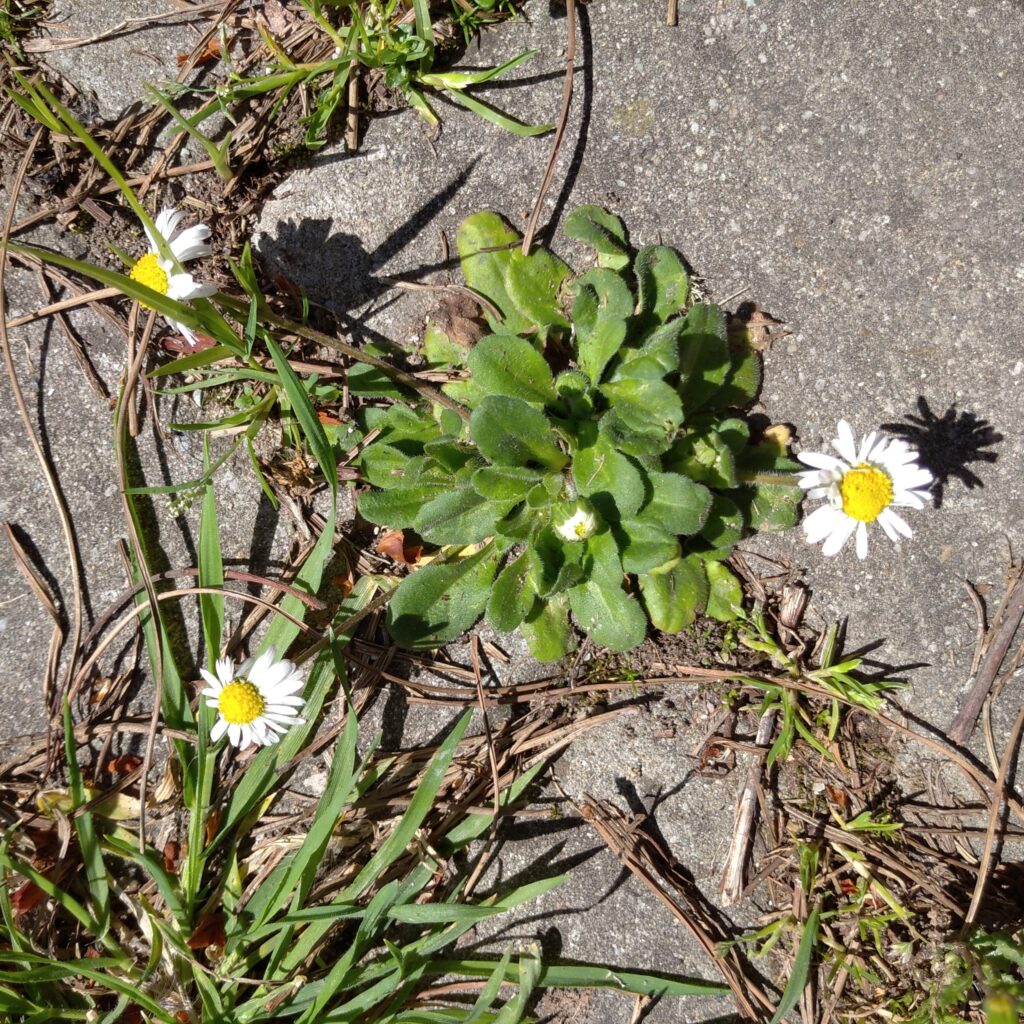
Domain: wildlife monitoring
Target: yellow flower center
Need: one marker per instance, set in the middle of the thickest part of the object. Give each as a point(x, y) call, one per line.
point(865, 491)
point(241, 703)
point(148, 271)
point(582, 529)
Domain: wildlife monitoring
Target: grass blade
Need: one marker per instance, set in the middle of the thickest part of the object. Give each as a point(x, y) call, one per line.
point(306, 415)
point(530, 968)
point(801, 967)
point(85, 826)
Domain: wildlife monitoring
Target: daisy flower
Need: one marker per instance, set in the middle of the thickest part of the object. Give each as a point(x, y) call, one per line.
point(166, 276)
point(861, 487)
point(255, 701)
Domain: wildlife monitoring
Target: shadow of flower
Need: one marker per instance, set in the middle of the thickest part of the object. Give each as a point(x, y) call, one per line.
point(947, 444)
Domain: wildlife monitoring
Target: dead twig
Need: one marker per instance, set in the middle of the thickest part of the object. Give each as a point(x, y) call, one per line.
point(563, 119)
point(731, 887)
point(998, 640)
point(640, 853)
point(998, 792)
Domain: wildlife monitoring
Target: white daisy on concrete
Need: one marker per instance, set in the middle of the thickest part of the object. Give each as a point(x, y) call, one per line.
point(166, 276)
point(863, 486)
point(256, 702)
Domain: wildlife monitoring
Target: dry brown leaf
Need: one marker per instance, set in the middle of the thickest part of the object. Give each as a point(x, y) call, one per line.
point(752, 325)
point(460, 318)
point(26, 897)
point(212, 825)
point(394, 545)
point(208, 932)
point(211, 52)
point(172, 856)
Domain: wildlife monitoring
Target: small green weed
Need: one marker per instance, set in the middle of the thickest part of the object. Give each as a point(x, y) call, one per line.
point(599, 446)
point(383, 41)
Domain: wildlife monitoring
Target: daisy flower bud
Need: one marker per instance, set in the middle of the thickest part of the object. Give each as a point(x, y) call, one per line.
point(579, 526)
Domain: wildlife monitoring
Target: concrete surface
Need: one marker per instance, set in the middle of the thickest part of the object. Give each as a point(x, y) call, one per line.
point(76, 428)
point(853, 168)
point(138, 44)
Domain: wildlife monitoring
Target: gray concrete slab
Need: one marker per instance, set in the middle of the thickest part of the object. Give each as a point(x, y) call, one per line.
point(852, 170)
point(137, 43)
point(75, 428)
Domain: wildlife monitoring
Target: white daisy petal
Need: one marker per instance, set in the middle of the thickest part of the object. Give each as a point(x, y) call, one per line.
point(866, 445)
point(187, 333)
point(820, 523)
point(167, 221)
point(184, 286)
point(897, 522)
point(844, 442)
point(908, 499)
point(261, 665)
point(191, 243)
point(182, 246)
point(887, 527)
point(838, 537)
point(291, 685)
point(212, 696)
point(225, 670)
point(872, 479)
point(862, 541)
point(273, 676)
point(255, 705)
point(819, 460)
point(285, 699)
point(215, 683)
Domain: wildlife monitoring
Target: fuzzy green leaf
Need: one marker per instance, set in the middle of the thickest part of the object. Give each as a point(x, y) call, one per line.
point(554, 564)
point(703, 455)
point(485, 243)
point(645, 406)
point(662, 283)
point(398, 508)
point(644, 545)
point(601, 307)
point(674, 598)
point(547, 631)
point(438, 603)
point(503, 364)
point(678, 504)
point(533, 283)
point(724, 525)
point(503, 483)
point(511, 596)
point(612, 482)
point(608, 615)
point(704, 361)
point(656, 356)
point(510, 432)
point(602, 231)
point(725, 598)
point(769, 507)
point(458, 517)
